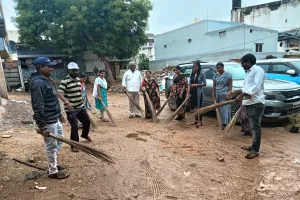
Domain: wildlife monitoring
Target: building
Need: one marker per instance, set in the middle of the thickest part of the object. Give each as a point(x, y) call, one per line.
point(277, 15)
point(148, 48)
point(4, 54)
point(202, 39)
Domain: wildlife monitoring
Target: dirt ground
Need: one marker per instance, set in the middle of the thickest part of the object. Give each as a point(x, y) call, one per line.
point(154, 161)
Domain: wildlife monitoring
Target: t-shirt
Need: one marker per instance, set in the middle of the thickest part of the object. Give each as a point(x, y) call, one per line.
point(71, 89)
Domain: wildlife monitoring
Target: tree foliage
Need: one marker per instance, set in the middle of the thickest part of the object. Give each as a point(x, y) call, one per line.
point(143, 62)
point(110, 28)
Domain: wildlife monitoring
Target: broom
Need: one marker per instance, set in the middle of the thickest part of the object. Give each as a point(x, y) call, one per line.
point(154, 118)
point(163, 106)
point(219, 121)
point(108, 114)
point(230, 127)
point(84, 148)
point(134, 103)
point(175, 113)
point(206, 109)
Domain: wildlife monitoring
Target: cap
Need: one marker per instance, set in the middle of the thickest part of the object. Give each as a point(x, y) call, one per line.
point(131, 63)
point(72, 65)
point(44, 61)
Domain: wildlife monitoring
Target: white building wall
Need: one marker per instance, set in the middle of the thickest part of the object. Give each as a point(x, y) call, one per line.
point(286, 17)
point(237, 37)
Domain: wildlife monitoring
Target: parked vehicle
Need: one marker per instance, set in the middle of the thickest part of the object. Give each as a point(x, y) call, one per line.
point(283, 69)
point(282, 97)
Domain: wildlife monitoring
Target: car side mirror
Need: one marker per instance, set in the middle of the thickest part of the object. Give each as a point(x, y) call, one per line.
point(291, 72)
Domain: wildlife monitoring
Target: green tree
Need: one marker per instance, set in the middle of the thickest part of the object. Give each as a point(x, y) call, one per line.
point(143, 62)
point(109, 28)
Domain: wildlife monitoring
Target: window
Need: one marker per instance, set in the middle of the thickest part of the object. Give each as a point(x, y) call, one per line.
point(296, 64)
point(165, 46)
point(209, 73)
point(189, 40)
point(258, 47)
point(265, 67)
point(280, 69)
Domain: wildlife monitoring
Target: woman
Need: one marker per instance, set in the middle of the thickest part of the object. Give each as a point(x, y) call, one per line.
point(150, 86)
point(86, 102)
point(100, 94)
point(196, 84)
point(180, 88)
point(222, 85)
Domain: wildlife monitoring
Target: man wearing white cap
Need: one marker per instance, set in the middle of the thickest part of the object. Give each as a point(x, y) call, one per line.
point(131, 82)
point(70, 93)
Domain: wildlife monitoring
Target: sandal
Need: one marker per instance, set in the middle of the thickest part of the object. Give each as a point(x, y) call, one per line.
point(61, 167)
point(247, 148)
point(199, 124)
point(88, 138)
point(195, 123)
point(252, 155)
point(59, 175)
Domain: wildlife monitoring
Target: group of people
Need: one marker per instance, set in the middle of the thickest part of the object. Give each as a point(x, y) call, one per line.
point(72, 92)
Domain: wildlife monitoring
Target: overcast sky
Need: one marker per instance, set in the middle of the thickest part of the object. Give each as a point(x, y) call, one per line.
point(169, 14)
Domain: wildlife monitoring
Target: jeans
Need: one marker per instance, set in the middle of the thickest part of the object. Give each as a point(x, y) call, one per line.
point(255, 112)
point(83, 117)
point(53, 146)
point(136, 97)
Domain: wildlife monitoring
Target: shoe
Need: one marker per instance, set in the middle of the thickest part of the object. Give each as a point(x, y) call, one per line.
point(179, 118)
point(131, 116)
point(61, 167)
point(138, 116)
point(252, 154)
point(247, 148)
point(59, 175)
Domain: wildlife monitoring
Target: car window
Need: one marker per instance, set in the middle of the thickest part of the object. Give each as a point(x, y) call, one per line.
point(209, 73)
point(280, 68)
point(264, 67)
point(296, 64)
point(236, 70)
point(188, 72)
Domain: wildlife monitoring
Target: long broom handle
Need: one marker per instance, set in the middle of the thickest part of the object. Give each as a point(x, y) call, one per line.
point(154, 118)
point(29, 164)
point(219, 122)
point(163, 106)
point(206, 109)
point(108, 113)
point(175, 113)
point(134, 103)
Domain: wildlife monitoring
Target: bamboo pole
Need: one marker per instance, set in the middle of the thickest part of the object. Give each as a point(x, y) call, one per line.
point(175, 113)
point(154, 118)
point(163, 106)
point(134, 103)
point(108, 114)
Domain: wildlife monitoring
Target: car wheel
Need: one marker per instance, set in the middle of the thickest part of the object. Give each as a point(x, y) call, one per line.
point(172, 104)
point(234, 109)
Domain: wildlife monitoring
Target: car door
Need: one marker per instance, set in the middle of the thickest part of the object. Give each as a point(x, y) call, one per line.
point(266, 67)
point(209, 73)
point(278, 71)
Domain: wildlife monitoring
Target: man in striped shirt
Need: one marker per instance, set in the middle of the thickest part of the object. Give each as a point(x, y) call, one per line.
point(69, 92)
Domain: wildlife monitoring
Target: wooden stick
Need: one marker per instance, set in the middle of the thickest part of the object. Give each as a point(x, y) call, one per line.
point(163, 106)
point(175, 113)
point(108, 114)
point(154, 118)
point(206, 109)
point(134, 103)
point(29, 164)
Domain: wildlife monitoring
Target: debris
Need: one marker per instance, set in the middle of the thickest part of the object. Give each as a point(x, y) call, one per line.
point(6, 178)
point(34, 175)
point(40, 188)
point(221, 159)
point(193, 165)
point(214, 180)
point(6, 136)
point(32, 159)
point(187, 173)
point(27, 122)
point(20, 101)
point(294, 129)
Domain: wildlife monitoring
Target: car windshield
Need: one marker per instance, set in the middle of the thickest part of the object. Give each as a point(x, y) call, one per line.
point(296, 64)
point(236, 70)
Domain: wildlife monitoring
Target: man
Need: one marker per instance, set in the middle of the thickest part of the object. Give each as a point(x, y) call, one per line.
point(131, 82)
point(254, 100)
point(47, 113)
point(69, 92)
